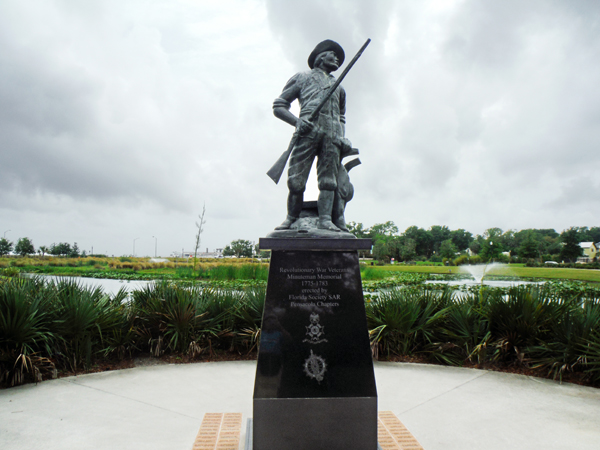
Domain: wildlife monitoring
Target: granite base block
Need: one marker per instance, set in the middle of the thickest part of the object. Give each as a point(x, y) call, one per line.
point(315, 384)
point(315, 423)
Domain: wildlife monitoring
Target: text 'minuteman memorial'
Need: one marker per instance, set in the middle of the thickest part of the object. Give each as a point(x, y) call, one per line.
point(315, 384)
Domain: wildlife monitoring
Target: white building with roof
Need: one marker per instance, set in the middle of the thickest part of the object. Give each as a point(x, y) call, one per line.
point(590, 251)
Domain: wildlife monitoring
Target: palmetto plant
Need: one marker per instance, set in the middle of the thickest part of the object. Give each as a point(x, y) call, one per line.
point(402, 321)
point(170, 316)
point(83, 318)
point(465, 333)
point(64, 323)
point(569, 346)
point(520, 318)
point(25, 329)
point(591, 349)
point(190, 319)
point(121, 338)
point(219, 304)
point(248, 316)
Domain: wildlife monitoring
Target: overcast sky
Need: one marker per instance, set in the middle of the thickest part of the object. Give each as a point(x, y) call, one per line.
point(121, 119)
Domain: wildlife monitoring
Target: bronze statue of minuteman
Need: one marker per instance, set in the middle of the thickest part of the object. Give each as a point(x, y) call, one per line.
point(321, 137)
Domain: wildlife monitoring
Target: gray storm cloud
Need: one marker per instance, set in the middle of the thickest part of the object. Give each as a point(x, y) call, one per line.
point(468, 114)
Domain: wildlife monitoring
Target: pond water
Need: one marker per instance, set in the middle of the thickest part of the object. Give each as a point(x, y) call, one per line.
point(111, 286)
point(108, 286)
point(492, 283)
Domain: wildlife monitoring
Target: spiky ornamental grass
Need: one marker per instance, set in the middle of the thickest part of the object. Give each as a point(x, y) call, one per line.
point(84, 318)
point(571, 343)
point(528, 326)
point(25, 328)
point(63, 323)
point(404, 321)
point(465, 333)
point(591, 349)
point(63, 320)
point(193, 319)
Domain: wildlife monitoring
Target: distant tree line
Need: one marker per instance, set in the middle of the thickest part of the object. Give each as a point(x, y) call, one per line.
point(440, 243)
point(239, 248)
point(25, 247)
point(436, 244)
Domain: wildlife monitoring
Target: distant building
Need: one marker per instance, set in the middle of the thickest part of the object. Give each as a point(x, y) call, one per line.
point(217, 253)
point(590, 251)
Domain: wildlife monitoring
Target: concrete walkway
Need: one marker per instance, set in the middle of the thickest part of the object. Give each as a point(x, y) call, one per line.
point(161, 407)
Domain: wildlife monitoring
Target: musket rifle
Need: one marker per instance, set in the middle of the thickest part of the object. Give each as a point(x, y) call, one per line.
point(277, 169)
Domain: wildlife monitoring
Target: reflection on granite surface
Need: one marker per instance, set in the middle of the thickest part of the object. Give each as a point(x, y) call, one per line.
point(314, 339)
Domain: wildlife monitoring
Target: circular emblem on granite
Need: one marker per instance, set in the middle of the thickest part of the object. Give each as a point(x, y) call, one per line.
point(314, 331)
point(315, 367)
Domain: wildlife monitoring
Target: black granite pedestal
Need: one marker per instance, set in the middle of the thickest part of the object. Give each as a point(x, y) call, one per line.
point(315, 385)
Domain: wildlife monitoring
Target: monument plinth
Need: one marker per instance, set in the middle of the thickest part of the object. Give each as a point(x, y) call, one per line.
point(315, 385)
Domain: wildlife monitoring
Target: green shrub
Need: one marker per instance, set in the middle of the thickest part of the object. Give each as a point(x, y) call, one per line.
point(553, 328)
point(11, 272)
point(252, 272)
point(520, 319)
point(248, 317)
point(175, 318)
point(404, 321)
point(565, 348)
point(222, 272)
point(591, 349)
point(466, 259)
point(25, 329)
point(83, 316)
point(465, 334)
point(372, 273)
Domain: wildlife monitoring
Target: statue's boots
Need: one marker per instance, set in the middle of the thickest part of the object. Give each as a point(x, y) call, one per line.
point(341, 224)
point(325, 223)
point(325, 206)
point(294, 206)
point(287, 223)
point(338, 213)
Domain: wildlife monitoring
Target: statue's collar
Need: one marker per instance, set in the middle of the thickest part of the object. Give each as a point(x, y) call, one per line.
point(321, 71)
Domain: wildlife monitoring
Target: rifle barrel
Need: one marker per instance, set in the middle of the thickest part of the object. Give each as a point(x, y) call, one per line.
point(338, 81)
point(275, 172)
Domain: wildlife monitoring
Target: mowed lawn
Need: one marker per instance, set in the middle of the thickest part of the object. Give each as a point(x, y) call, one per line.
point(506, 270)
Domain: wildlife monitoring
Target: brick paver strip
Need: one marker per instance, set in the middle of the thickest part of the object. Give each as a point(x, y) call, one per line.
point(393, 435)
point(219, 431)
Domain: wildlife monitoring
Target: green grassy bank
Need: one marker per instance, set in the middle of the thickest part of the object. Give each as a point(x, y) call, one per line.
point(509, 270)
point(249, 269)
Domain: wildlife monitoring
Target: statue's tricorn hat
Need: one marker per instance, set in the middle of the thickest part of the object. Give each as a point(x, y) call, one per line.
point(325, 46)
